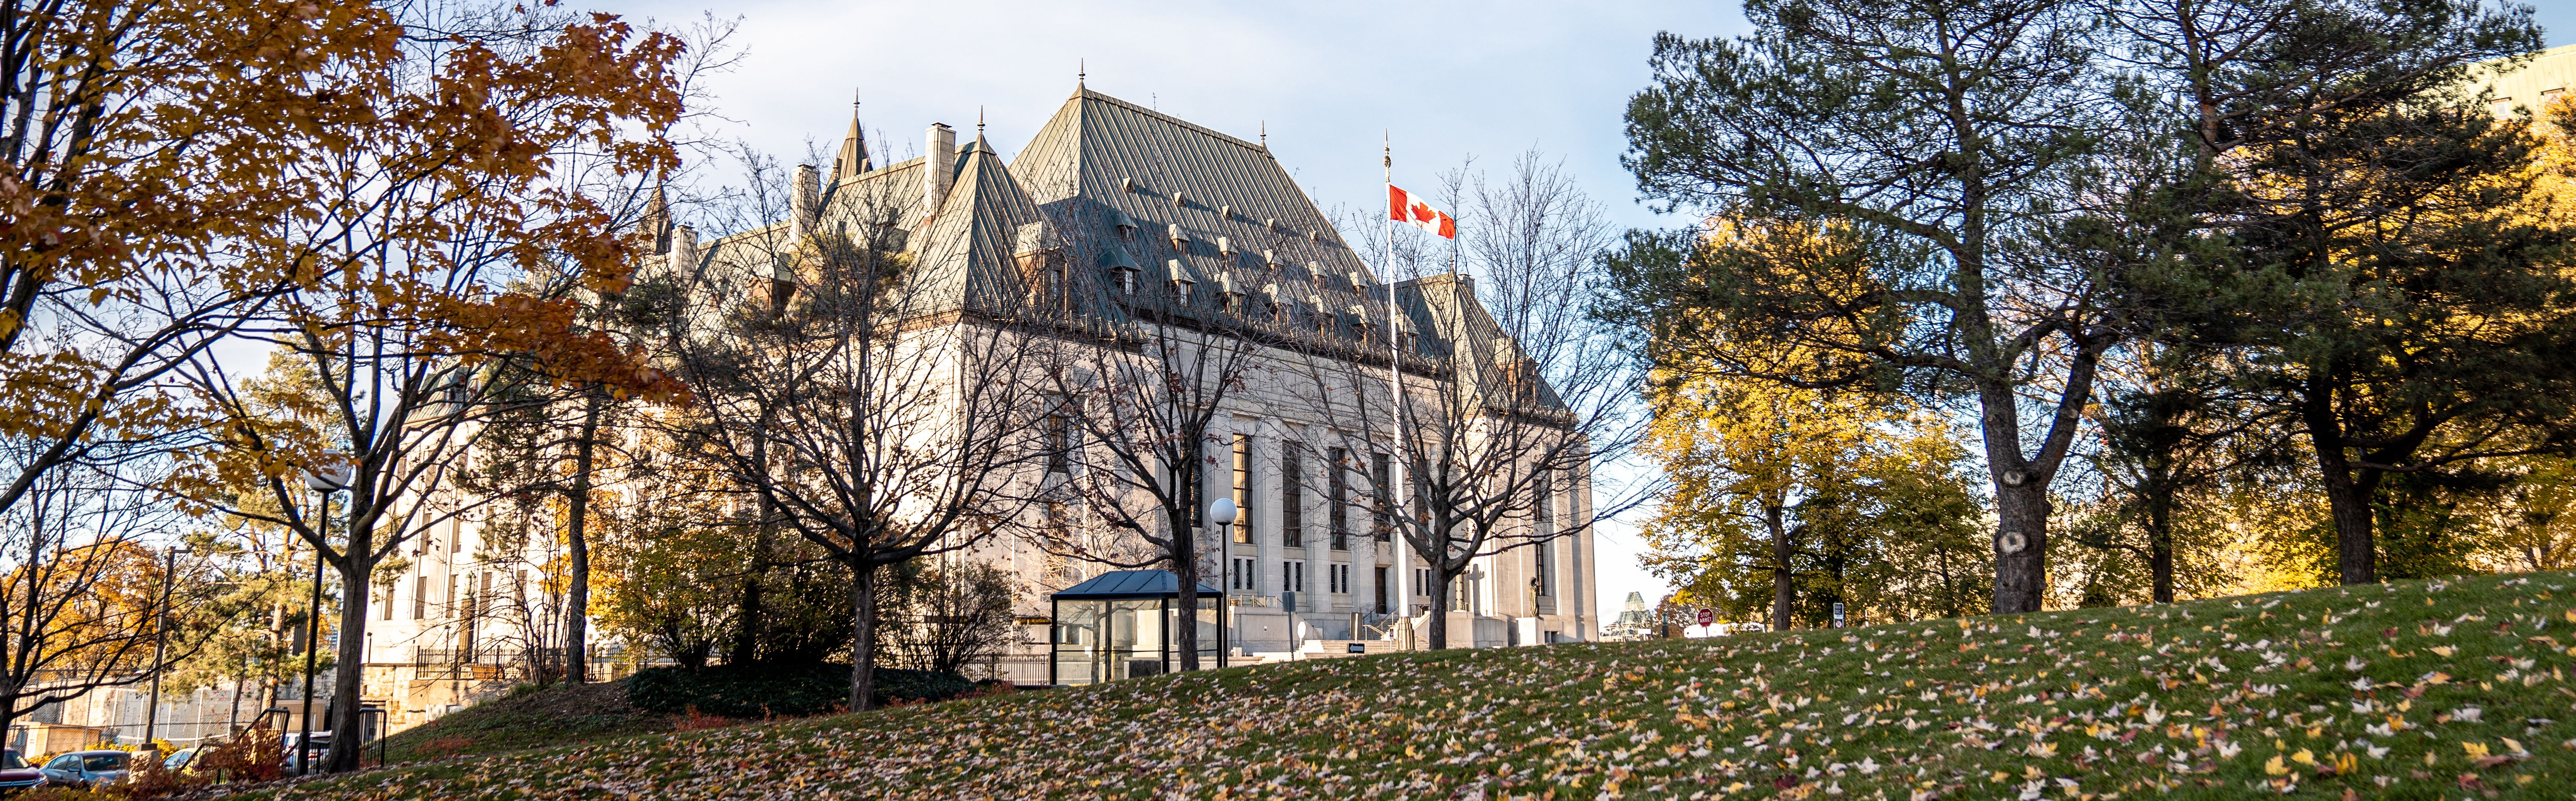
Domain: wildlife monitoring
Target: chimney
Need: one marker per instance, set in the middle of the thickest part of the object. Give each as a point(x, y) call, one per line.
point(939, 167)
point(803, 198)
point(684, 251)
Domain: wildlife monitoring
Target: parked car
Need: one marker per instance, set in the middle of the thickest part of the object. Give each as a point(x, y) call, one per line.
point(178, 763)
point(16, 774)
point(294, 756)
point(89, 768)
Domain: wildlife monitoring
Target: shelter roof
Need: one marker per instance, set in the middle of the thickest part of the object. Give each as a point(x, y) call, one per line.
point(1129, 584)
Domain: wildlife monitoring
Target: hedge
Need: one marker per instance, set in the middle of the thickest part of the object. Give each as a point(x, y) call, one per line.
point(760, 690)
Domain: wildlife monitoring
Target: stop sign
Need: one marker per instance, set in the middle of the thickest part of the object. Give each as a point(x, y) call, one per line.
point(1707, 616)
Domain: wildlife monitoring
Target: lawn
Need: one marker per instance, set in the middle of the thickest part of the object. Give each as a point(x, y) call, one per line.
point(528, 718)
point(2441, 689)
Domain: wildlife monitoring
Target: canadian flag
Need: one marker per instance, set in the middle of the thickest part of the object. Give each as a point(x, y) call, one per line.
point(1403, 207)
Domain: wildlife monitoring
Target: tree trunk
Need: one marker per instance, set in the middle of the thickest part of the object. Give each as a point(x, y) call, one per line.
point(2021, 542)
point(9, 711)
point(2160, 546)
point(746, 635)
point(2348, 491)
point(356, 564)
point(2021, 503)
point(863, 634)
point(577, 584)
point(1185, 568)
point(2348, 498)
point(1437, 631)
point(1783, 589)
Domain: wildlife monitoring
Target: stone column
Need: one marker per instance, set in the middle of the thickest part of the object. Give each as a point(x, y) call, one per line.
point(1578, 588)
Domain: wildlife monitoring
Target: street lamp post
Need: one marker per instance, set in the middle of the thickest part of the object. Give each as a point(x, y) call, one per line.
point(1222, 513)
point(326, 481)
point(160, 649)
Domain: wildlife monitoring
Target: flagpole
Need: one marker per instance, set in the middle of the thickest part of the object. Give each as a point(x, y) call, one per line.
point(1399, 469)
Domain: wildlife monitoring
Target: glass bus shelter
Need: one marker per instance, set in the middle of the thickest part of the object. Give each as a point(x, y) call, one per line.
point(1126, 624)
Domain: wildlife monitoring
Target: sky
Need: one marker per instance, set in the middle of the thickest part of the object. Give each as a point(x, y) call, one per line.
point(1329, 81)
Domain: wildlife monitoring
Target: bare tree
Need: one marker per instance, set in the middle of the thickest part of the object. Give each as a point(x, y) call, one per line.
point(1510, 394)
point(1138, 409)
point(953, 614)
point(1161, 331)
point(872, 396)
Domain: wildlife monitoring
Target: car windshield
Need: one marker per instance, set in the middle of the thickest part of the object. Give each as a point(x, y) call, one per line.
point(95, 762)
point(9, 760)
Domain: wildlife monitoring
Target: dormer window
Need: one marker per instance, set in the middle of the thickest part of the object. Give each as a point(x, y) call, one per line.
point(1225, 212)
point(1124, 225)
point(1357, 281)
point(1225, 246)
point(1518, 373)
point(1270, 259)
point(1229, 298)
point(1040, 256)
point(1180, 239)
point(1272, 223)
point(1181, 281)
point(1122, 269)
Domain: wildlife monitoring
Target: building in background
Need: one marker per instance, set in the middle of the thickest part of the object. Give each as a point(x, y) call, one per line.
point(2544, 79)
point(1130, 217)
point(1110, 203)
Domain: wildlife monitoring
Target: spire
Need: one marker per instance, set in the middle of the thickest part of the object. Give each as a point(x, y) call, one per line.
point(657, 220)
point(853, 159)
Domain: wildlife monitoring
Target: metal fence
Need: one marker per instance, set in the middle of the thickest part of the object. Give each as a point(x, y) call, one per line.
point(497, 664)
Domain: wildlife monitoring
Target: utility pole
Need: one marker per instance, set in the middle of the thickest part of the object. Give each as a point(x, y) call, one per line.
point(160, 649)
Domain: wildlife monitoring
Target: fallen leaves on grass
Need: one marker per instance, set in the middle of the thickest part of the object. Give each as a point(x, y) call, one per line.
point(2324, 686)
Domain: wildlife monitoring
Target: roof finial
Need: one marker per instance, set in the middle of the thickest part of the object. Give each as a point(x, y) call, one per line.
point(1265, 134)
point(1081, 72)
point(979, 122)
point(853, 160)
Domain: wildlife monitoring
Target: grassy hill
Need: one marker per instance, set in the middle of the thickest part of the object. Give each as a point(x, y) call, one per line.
point(526, 719)
point(2444, 689)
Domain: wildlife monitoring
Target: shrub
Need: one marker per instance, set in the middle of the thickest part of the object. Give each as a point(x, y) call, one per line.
point(257, 755)
point(763, 689)
point(917, 685)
